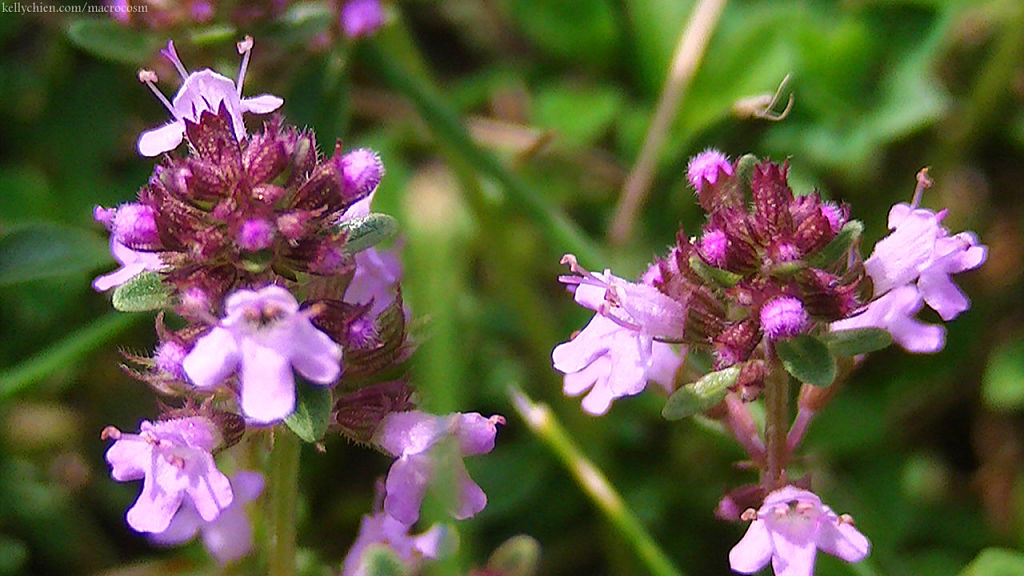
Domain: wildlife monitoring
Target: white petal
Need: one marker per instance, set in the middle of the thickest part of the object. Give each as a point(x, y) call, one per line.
point(212, 359)
point(261, 104)
point(163, 139)
point(752, 552)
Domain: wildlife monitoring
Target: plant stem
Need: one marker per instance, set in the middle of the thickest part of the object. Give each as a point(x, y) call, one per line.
point(776, 415)
point(284, 494)
point(689, 52)
point(543, 423)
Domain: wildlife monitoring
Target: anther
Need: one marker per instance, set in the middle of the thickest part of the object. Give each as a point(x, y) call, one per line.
point(245, 49)
point(149, 78)
point(749, 515)
point(110, 433)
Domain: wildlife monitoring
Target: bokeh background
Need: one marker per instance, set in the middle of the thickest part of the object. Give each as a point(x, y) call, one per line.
point(554, 98)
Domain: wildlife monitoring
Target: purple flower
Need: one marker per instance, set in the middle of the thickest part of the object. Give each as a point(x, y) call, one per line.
point(410, 436)
point(704, 168)
point(377, 271)
point(201, 91)
point(920, 250)
point(617, 354)
point(360, 18)
point(382, 529)
point(263, 336)
point(132, 262)
point(229, 536)
point(789, 528)
point(173, 459)
point(894, 312)
point(783, 317)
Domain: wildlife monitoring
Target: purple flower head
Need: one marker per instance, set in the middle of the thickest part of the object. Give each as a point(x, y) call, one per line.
point(255, 234)
point(713, 246)
point(201, 91)
point(132, 262)
point(362, 170)
point(382, 529)
point(703, 168)
point(361, 18)
point(132, 224)
point(783, 317)
point(228, 537)
point(894, 312)
point(263, 336)
point(169, 356)
point(789, 529)
point(173, 458)
point(410, 437)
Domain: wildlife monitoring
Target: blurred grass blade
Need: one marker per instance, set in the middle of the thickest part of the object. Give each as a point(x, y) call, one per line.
point(543, 424)
point(110, 40)
point(559, 231)
point(62, 353)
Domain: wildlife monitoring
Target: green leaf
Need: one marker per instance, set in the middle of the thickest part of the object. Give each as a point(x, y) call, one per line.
point(109, 40)
point(517, 556)
point(367, 231)
point(723, 278)
point(807, 359)
point(839, 245)
point(996, 562)
point(1003, 384)
point(39, 251)
point(857, 341)
point(698, 396)
point(142, 293)
point(381, 560)
point(579, 114)
point(312, 411)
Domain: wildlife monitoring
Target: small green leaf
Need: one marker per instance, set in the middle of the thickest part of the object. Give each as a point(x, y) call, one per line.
point(142, 293)
point(996, 562)
point(698, 396)
point(857, 341)
point(517, 556)
point(807, 359)
point(786, 270)
point(212, 35)
point(723, 278)
point(368, 231)
point(1002, 387)
point(381, 560)
point(38, 251)
point(312, 411)
point(839, 245)
point(110, 40)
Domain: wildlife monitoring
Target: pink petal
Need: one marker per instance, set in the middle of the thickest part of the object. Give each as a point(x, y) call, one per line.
point(267, 383)
point(471, 498)
point(411, 432)
point(129, 458)
point(476, 433)
point(213, 358)
point(313, 353)
point(208, 487)
point(155, 507)
point(942, 294)
point(261, 104)
point(793, 557)
point(163, 139)
point(842, 540)
point(405, 486)
point(229, 537)
point(183, 527)
point(752, 552)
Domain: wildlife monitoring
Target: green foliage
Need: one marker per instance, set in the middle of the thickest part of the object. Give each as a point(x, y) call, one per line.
point(142, 293)
point(312, 412)
point(996, 562)
point(807, 359)
point(42, 251)
point(840, 245)
point(380, 560)
point(857, 341)
point(107, 39)
point(696, 397)
point(517, 556)
point(1003, 384)
point(367, 231)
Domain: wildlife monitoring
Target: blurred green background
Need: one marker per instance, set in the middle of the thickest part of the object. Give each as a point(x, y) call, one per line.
point(556, 96)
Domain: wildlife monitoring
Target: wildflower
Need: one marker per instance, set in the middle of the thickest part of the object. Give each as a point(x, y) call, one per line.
point(382, 529)
point(173, 458)
point(229, 536)
point(789, 528)
point(361, 18)
point(783, 317)
point(704, 168)
point(201, 91)
point(894, 312)
point(263, 336)
point(376, 271)
point(410, 437)
point(133, 263)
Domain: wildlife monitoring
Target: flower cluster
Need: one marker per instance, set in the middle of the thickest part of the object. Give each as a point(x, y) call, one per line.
point(261, 252)
point(774, 286)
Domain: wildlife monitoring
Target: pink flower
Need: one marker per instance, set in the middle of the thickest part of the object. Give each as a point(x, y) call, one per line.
point(133, 263)
point(201, 91)
point(789, 529)
point(228, 537)
point(173, 458)
point(410, 437)
point(705, 167)
point(360, 18)
point(617, 353)
point(894, 312)
point(264, 336)
point(383, 530)
point(377, 271)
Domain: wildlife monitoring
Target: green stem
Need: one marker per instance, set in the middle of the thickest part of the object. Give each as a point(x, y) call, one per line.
point(543, 423)
point(776, 425)
point(284, 493)
point(446, 125)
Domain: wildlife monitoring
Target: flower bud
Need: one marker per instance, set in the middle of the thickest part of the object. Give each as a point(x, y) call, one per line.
point(704, 168)
point(362, 171)
point(783, 317)
point(134, 225)
point(255, 234)
point(169, 355)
